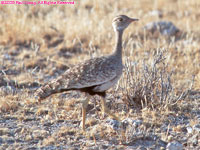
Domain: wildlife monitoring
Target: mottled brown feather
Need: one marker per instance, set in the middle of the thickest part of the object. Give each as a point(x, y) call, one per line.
point(95, 75)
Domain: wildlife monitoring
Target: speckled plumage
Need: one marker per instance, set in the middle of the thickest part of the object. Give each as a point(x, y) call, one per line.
point(91, 73)
point(99, 73)
point(93, 76)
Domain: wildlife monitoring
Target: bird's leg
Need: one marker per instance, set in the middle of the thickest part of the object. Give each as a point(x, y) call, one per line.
point(84, 107)
point(106, 110)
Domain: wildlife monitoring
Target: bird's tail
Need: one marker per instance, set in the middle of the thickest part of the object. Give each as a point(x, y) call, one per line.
point(48, 89)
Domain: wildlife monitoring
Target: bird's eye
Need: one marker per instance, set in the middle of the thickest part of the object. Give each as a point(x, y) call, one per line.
point(120, 19)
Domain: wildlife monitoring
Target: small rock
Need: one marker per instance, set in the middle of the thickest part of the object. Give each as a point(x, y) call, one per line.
point(170, 138)
point(194, 140)
point(28, 138)
point(165, 28)
point(114, 124)
point(189, 129)
point(136, 123)
point(174, 146)
point(162, 148)
point(1, 140)
point(198, 117)
point(197, 128)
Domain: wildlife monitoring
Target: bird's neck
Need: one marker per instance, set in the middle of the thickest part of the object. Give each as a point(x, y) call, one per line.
point(118, 44)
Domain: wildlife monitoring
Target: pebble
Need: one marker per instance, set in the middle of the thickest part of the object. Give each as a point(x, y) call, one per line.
point(136, 123)
point(197, 128)
point(114, 124)
point(174, 146)
point(166, 28)
point(194, 140)
point(1, 140)
point(189, 129)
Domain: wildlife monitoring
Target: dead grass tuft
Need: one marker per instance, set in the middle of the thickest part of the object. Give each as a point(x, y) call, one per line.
point(9, 104)
point(64, 131)
point(69, 104)
point(42, 111)
point(150, 84)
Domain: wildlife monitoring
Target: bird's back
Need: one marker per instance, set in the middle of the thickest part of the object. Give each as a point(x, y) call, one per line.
point(100, 73)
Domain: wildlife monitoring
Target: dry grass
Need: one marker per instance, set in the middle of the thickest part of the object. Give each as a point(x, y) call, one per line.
point(160, 81)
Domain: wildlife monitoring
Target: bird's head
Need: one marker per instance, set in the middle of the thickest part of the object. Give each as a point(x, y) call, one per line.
point(121, 22)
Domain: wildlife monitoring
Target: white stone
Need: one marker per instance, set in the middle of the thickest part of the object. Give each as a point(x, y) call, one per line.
point(189, 129)
point(166, 28)
point(174, 146)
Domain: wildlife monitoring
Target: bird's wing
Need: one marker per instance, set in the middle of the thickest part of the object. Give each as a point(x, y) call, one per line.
point(90, 73)
point(93, 72)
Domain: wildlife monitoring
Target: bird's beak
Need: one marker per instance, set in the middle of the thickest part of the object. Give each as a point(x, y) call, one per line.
point(133, 19)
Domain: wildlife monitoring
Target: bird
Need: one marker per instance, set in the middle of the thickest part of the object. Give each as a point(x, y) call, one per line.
point(94, 76)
